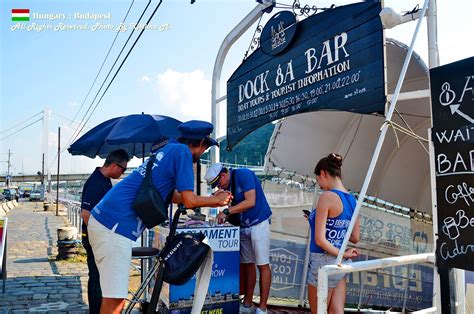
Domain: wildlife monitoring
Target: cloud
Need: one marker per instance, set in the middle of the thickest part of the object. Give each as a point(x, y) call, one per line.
point(145, 78)
point(185, 95)
point(72, 103)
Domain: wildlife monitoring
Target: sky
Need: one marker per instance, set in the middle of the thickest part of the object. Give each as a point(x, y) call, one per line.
point(168, 72)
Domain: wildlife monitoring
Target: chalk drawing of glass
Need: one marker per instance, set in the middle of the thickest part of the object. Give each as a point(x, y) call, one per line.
point(450, 228)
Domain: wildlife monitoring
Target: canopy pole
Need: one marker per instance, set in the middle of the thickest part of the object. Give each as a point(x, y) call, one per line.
point(433, 61)
point(378, 148)
point(228, 41)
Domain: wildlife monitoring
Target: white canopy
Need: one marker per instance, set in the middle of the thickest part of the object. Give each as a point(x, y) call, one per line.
point(402, 173)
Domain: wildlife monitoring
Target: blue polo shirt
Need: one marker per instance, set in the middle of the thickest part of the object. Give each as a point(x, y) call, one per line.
point(246, 180)
point(96, 186)
point(172, 170)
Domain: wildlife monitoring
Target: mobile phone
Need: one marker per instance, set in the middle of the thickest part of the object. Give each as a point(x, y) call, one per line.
point(306, 212)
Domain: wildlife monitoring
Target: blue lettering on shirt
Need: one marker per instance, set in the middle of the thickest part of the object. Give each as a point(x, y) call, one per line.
point(336, 227)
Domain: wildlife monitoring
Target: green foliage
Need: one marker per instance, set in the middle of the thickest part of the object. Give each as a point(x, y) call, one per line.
point(251, 150)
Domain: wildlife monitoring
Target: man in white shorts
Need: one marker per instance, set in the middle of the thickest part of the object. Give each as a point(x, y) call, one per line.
point(113, 225)
point(250, 204)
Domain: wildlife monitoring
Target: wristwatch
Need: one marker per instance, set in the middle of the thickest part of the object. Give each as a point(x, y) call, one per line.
point(226, 211)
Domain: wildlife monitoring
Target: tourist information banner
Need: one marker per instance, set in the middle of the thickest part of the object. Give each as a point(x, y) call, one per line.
point(330, 61)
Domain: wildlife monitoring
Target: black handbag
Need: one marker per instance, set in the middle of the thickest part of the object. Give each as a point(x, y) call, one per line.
point(233, 219)
point(148, 204)
point(183, 257)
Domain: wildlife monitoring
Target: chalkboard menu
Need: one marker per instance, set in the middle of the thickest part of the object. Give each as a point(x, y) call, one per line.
point(452, 101)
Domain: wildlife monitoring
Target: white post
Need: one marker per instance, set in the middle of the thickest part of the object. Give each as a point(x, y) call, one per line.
point(433, 61)
point(221, 55)
point(383, 133)
point(432, 28)
point(323, 286)
point(434, 209)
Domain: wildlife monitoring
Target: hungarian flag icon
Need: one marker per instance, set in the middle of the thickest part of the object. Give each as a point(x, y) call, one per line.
point(20, 15)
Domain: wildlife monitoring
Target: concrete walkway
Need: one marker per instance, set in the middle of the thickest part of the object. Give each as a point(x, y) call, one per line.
point(36, 281)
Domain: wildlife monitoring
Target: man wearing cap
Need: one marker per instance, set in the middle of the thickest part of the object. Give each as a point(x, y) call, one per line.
point(114, 225)
point(250, 203)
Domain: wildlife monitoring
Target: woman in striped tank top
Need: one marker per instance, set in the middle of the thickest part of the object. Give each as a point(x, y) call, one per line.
point(329, 222)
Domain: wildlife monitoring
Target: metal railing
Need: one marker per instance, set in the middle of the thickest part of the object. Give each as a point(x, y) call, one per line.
point(73, 209)
point(327, 270)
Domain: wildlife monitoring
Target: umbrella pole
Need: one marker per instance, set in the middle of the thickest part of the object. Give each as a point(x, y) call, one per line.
point(145, 232)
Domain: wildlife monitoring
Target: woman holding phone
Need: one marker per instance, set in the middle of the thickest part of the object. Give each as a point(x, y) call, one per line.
point(329, 221)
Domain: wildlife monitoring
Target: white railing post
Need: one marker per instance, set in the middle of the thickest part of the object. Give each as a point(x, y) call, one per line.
point(228, 41)
point(323, 288)
point(325, 271)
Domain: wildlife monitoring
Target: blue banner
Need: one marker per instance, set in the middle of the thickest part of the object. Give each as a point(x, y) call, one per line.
point(387, 287)
point(330, 61)
point(223, 292)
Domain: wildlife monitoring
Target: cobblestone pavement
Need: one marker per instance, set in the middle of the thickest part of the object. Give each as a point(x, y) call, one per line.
point(36, 282)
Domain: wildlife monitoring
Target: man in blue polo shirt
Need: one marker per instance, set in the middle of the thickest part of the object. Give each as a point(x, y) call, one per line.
point(96, 186)
point(114, 225)
point(250, 203)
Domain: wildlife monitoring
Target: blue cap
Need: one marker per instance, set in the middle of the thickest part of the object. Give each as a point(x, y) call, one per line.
point(197, 130)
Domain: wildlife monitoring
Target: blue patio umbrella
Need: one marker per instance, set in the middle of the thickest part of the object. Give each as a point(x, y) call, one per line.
point(135, 133)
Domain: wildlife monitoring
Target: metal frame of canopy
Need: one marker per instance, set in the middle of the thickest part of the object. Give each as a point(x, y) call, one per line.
point(429, 8)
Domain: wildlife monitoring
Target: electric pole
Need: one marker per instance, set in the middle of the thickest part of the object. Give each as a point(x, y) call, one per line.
point(8, 168)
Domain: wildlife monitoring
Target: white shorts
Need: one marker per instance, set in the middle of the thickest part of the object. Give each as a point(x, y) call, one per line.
point(255, 244)
point(113, 255)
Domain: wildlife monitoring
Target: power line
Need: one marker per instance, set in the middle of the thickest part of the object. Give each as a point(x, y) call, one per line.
point(115, 62)
point(133, 46)
point(79, 128)
point(67, 119)
point(74, 137)
point(18, 124)
point(7, 136)
point(81, 125)
point(103, 62)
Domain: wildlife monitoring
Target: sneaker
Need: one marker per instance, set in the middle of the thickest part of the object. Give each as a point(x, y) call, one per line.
point(260, 311)
point(243, 309)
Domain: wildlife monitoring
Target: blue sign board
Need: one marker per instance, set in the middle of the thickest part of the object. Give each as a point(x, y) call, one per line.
point(223, 292)
point(330, 61)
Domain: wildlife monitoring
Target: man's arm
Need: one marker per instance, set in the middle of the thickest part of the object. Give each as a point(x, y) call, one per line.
point(85, 214)
point(177, 199)
point(248, 202)
point(191, 200)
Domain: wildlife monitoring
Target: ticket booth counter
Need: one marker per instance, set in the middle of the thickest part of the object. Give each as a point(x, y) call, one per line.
point(223, 291)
